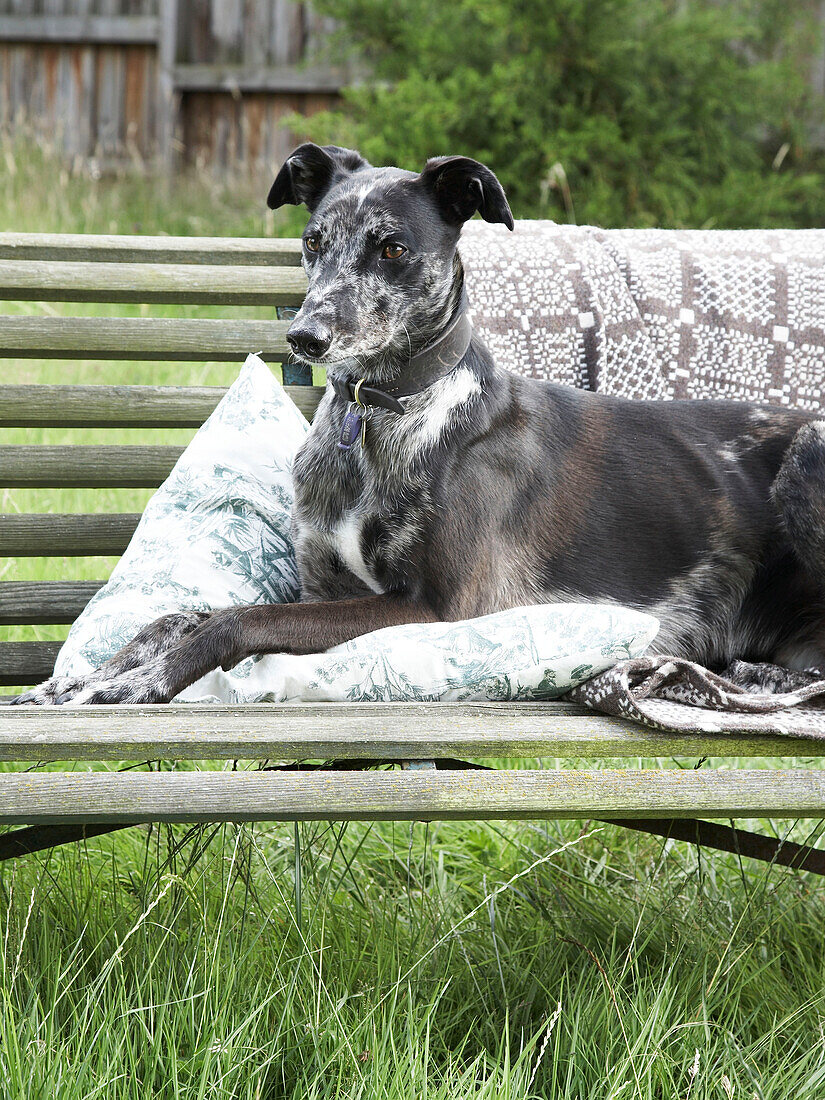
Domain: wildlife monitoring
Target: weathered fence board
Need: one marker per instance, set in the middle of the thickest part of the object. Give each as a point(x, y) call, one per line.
point(131, 29)
point(132, 79)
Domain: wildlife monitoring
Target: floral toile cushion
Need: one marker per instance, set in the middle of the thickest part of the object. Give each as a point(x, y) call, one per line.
point(216, 533)
point(536, 652)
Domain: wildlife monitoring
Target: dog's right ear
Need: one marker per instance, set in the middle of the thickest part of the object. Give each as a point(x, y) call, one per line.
point(309, 172)
point(461, 186)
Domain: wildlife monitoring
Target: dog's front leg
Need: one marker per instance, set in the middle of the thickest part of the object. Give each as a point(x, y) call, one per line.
point(227, 637)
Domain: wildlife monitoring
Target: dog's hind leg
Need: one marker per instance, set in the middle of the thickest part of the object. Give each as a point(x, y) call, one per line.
point(798, 493)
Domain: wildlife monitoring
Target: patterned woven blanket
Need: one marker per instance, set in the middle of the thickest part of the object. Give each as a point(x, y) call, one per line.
point(666, 314)
point(655, 313)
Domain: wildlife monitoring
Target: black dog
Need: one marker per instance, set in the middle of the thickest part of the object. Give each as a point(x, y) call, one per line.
point(435, 485)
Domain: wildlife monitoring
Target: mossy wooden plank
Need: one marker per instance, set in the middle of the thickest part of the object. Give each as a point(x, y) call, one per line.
point(33, 602)
point(384, 731)
point(123, 406)
point(79, 467)
point(163, 338)
point(66, 534)
point(26, 662)
point(46, 798)
point(207, 284)
point(123, 248)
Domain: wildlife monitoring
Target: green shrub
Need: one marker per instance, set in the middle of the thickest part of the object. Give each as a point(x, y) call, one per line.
point(613, 112)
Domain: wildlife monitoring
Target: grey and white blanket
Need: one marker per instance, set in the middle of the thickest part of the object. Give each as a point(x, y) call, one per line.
point(664, 314)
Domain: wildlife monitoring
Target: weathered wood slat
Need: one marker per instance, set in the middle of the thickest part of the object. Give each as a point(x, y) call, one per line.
point(78, 467)
point(131, 30)
point(166, 338)
point(122, 248)
point(44, 798)
point(65, 535)
point(280, 79)
point(26, 662)
point(123, 406)
point(218, 284)
point(384, 731)
point(33, 602)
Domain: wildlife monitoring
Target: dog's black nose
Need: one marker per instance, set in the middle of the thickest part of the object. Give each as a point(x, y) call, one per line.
point(309, 340)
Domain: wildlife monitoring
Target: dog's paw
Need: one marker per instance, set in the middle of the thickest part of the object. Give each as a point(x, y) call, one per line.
point(140, 686)
point(51, 693)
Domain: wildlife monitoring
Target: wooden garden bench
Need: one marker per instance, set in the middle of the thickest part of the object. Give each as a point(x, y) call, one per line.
point(433, 740)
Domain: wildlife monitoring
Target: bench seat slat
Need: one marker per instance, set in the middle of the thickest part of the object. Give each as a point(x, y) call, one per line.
point(46, 798)
point(385, 731)
point(33, 602)
point(117, 248)
point(212, 284)
point(156, 338)
point(123, 406)
point(26, 662)
point(79, 467)
point(65, 535)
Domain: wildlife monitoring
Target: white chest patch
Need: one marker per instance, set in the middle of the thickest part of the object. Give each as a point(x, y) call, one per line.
point(347, 540)
point(428, 417)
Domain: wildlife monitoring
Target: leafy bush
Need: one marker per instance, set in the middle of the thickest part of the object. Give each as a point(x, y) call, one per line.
point(613, 112)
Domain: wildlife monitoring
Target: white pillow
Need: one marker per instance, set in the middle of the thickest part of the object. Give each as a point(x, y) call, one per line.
point(216, 533)
point(535, 652)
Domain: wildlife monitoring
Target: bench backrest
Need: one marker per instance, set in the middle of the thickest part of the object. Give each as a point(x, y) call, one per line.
point(42, 268)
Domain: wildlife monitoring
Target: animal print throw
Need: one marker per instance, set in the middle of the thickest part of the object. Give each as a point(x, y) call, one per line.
point(668, 693)
point(654, 313)
point(658, 314)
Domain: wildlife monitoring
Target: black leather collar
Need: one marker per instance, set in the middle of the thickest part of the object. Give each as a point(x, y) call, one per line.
point(423, 369)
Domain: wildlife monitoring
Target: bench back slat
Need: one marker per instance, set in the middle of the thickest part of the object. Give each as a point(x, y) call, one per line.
point(36, 602)
point(81, 467)
point(68, 535)
point(26, 662)
point(151, 271)
point(123, 406)
point(122, 249)
point(210, 284)
point(158, 338)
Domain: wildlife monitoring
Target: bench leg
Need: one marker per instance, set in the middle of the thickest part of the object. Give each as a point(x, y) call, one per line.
point(707, 834)
point(23, 842)
point(725, 838)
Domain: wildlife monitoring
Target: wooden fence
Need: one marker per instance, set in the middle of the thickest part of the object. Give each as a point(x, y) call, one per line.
point(206, 80)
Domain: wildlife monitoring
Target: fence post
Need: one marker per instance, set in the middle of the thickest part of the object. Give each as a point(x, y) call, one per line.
point(168, 106)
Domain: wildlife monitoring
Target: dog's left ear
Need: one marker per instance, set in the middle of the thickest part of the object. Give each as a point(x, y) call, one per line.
point(461, 186)
point(310, 171)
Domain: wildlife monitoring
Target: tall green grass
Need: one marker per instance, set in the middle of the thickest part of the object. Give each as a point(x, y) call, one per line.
point(444, 962)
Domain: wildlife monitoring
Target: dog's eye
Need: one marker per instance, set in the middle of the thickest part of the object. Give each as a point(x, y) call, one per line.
point(312, 244)
point(393, 250)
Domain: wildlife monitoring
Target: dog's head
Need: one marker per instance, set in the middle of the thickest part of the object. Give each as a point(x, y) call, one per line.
point(379, 251)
